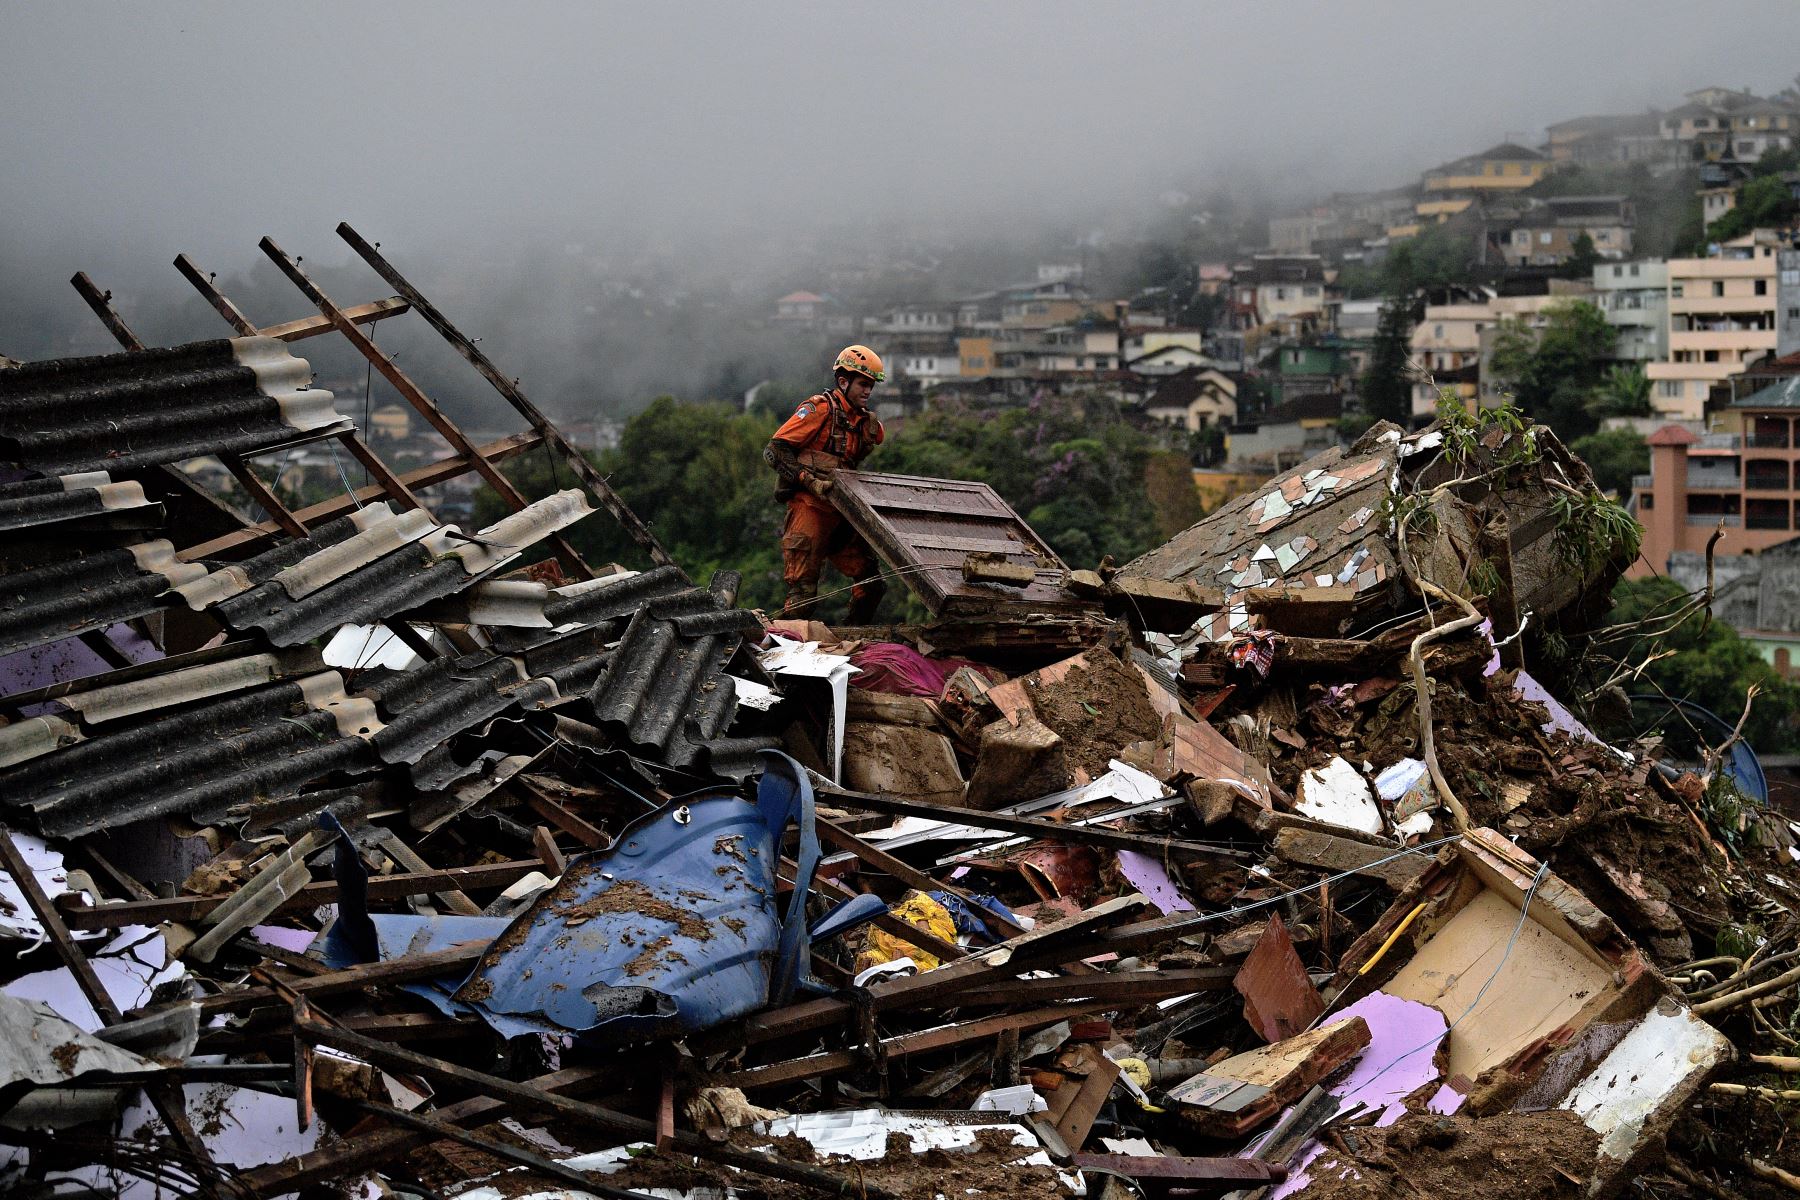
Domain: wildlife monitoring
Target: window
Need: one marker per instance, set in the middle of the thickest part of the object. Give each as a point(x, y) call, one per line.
point(1437, 331)
point(1793, 314)
point(1762, 287)
point(1675, 291)
point(1634, 270)
point(1618, 271)
point(1670, 388)
point(1718, 287)
point(1544, 238)
point(1647, 501)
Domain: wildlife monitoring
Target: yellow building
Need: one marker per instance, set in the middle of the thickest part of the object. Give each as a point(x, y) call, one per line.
point(391, 421)
point(1216, 487)
point(1503, 168)
point(1440, 210)
point(976, 355)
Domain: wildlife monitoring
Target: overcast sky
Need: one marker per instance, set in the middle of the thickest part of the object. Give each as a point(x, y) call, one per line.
point(133, 131)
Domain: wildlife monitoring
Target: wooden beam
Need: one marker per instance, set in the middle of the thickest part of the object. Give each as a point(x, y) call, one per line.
point(836, 1062)
point(263, 494)
point(203, 283)
point(360, 978)
point(101, 303)
point(414, 395)
point(394, 486)
point(337, 506)
point(360, 314)
point(603, 491)
point(187, 909)
point(339, 1160)
point(588, 1182)
point(1093, 835)
point(615, 1124)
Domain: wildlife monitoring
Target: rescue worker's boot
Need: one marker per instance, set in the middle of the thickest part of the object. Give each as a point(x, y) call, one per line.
point(801, 600)
point(865, 598)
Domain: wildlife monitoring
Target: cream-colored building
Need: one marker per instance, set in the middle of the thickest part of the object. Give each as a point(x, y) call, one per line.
point(1452, 343)
point(1722, 315)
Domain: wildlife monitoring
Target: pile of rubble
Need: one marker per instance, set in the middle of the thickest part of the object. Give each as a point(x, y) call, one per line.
point(378, 858)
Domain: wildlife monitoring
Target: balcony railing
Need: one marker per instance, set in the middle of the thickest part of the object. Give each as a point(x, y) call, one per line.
point(1642, 481)
point(1730, 520)
point(1765, 483)
point(1719, 441)
point(1767, 441)
point(1730, 481)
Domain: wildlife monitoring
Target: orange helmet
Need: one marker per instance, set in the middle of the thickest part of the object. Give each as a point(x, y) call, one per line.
point(860, 360)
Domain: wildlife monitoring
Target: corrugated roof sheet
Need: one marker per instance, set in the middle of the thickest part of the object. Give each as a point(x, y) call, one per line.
point(203, 758)
point(665, 690)
point(119, 412)
point(92, 498)
point(81, 589)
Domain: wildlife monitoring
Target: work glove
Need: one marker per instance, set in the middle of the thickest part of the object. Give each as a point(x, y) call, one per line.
point(818, 485)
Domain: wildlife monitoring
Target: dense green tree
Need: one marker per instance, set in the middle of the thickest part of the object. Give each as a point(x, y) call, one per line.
point(1553, 372)
point(1761, 202)
point(1386, 387)
point(1624, 392)
point(1071, 466)
point(1614, 456)
point(1582, 256)
point(1711, 665)
point(695, 474)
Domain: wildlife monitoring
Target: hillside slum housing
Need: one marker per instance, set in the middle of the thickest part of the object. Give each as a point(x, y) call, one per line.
point(350, 852)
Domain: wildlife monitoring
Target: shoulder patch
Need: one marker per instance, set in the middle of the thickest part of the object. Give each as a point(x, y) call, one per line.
point(805, 410)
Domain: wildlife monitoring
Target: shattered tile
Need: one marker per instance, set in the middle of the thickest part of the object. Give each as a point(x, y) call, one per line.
point(1292, 490)
point(1286, 557)
point(1263, 553)
point(1276, 505)
point(1366, 580)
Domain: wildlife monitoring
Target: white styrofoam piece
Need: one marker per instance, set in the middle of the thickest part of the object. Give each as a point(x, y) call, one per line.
point(1017, 1100)
point(806, 659)
point(1417, 825)
point(1628, 1086)
point(1336, 794)
point(1122, 782)
point(752, 694)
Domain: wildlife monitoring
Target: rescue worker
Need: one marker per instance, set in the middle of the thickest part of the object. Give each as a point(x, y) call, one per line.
point(830, 430)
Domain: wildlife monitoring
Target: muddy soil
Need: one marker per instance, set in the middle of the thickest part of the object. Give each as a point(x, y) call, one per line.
point(1096, 711)
point(1511, 1156)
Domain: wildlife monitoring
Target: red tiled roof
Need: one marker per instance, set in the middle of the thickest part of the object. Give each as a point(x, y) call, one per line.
point(1671, 435)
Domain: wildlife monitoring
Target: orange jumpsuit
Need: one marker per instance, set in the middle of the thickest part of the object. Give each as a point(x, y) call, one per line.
point(824, 433)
